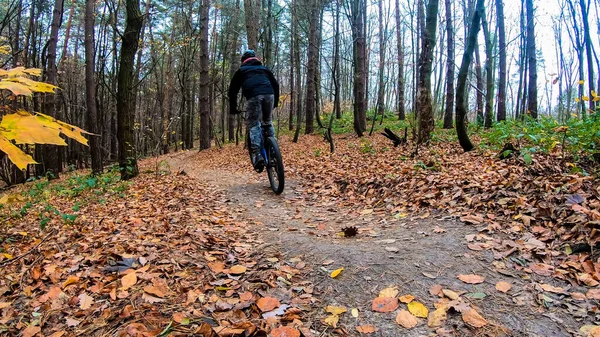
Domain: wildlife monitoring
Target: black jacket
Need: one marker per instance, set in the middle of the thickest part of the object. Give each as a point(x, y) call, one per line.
point(255, 79)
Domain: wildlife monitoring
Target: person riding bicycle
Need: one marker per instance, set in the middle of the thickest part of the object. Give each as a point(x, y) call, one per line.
point(261, 90)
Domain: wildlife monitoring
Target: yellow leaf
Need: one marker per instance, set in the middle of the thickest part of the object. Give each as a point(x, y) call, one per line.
point(406, 319)
point(72, 279)
point(8, 256)
point(332, 309)
point(577, 100)
point(17, 89)
point(581, 82)
point(10, 198)
point(355, 312)
point(25, 128)
point(35, 86)
point(128, 281)
point(336, 272)
point(450, 294)
point(436, 318)
point(332, 320)
point(389, 292)
point(585, 98)
point(418, 309)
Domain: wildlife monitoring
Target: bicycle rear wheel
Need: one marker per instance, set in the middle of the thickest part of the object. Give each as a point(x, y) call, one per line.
point(274, 165)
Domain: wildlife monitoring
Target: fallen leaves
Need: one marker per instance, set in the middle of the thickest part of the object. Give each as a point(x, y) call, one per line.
point(128, 281)
point(85, 301)
point(389, 292)
point(471, 278)
point(418, 309)
point(406, 319)
point(267, 303)
point(384, 304)
point(336, 272)
point(31, 331)
point(367, 329)
point(285, 331)
point(473, 318)
point(503, 287)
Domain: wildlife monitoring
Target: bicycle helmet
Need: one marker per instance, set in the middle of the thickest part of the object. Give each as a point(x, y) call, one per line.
point(248, 54)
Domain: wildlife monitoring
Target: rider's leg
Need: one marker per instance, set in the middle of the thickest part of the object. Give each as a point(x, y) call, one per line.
point(267, 114)
point(253, 112)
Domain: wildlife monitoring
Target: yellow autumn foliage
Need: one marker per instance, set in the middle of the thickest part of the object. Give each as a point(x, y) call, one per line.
point(22, 127)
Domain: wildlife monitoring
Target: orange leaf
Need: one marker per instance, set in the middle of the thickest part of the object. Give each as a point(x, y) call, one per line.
point(216, 267)
point(72, 279)
point(31, 331)
point(384, 304)
point(473, 318)
point(267, 303)
point(367, 329)
point(406, 319)
point(285, 331)
point(128, 280)
point(503, 286)
point(152, 290)
point(541, 269)
point(471, 278)
point(238, 269)
point(407, 298)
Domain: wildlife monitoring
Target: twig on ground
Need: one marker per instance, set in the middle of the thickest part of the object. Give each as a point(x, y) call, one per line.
point(6, 263)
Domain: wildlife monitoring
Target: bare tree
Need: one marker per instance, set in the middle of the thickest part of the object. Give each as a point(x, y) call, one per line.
point(400, 51)
point(449, 67)
point(125, 94)
point(502, 61)
point(425, 112)
point(93, 122)
point(532, 105)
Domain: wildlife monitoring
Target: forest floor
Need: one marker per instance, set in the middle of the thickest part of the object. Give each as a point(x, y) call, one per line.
point(447, 244)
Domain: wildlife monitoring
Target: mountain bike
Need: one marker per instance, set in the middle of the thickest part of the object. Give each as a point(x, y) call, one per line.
point(273, 162)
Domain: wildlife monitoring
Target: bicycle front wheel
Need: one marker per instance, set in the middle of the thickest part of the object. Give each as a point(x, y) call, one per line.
point(274, 165)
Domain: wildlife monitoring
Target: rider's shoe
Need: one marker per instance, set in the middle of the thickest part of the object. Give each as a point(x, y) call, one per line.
point(258, 162)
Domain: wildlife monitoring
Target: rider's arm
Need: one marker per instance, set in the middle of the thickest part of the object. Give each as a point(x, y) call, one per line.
point(275, 86)
point(234, 88)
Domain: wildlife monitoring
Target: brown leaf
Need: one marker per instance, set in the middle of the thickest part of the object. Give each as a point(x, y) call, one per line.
point(503, 287)
point(285, 331)
point(31, 331)
point(237, 269)
point(473, 219)
point(267, 303)
point(85, 301)
point(367, 329)
point(542, 269)
point(216, 267)
point(592, 294)
point(587, 279)
point(152, 290)
point(435, 290)
point(471, 278)
point(450, 294)
point(384, 304)
point(473, 318)
point(128, 281)
point(552, 289)
point(406, 319)
point(407, 298)
point(72, 279)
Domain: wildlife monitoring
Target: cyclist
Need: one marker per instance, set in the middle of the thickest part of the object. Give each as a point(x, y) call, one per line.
point(261, 90)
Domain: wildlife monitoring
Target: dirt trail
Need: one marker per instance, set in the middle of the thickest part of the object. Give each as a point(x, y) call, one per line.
point(412, 254)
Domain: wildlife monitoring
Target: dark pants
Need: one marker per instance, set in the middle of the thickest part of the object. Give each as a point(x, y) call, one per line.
point(258, 112)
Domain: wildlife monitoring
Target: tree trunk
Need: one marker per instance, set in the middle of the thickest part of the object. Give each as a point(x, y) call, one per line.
point(125, 93)
point(381, 88)
point(296, 51)
point(313, 53)
point(204, 104)
point(425, 112)
point(449, 67)
point(502, 62)
point(337, 106)
point(360, 66)
point(479, 79)
point(400, 51)
point(233, 65)
point(588, 50)
point(252, 11)
point(93, 122)
point(461, 83)
point(489, 90)
point(51, 154)
point(532, 105)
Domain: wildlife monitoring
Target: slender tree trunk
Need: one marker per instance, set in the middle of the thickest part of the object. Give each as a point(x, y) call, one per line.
point(400, 50)
point(296, 50)
point(449, 67)
point(382, 51)
point(68, 32)
point(90, 89)
point(489, 90)
point(479, 79)
point(360, 66)
point(461, 84)
point(532, 105)
point(293, 94)
point(336, 65)
point(502, 62)
point(204, 104)
point(51, 153)
point(588, 49)
point(311, 66)
point(233, 64)
point(425, 113)
point(125, 93)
